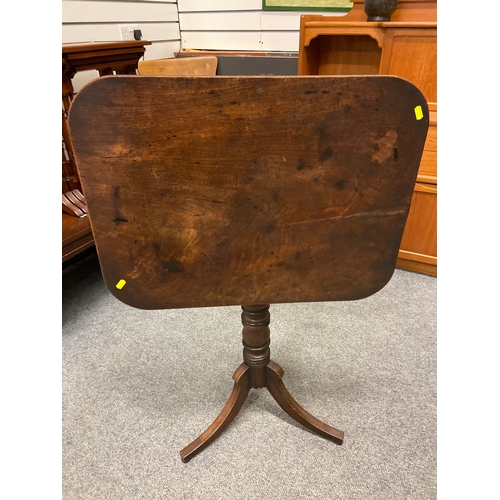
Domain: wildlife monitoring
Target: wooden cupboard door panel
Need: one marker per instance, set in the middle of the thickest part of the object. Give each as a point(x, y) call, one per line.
point(420, 234)
point(428, 165)
point(414, 58)
point(431, 139)
point(428, 168)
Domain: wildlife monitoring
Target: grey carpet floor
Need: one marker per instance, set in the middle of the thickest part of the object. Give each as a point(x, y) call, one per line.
point(138, 386)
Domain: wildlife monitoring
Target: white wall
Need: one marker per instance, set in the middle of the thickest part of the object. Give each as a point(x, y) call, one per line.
point(99, 20)
point(171, 25)
point(239, 25)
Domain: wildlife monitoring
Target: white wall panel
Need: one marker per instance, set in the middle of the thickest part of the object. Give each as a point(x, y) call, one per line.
point(221, 40)
point(79, 11)
point(276, 21)
point(218, 5)
point(235, 24)
point(161, 50)
point(111, 32)
point(220, 21)
point(280, 41)
point(99, 21)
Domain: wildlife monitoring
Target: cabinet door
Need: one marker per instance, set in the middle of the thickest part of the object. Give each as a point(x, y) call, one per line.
point(412, 55)
point(418, 250)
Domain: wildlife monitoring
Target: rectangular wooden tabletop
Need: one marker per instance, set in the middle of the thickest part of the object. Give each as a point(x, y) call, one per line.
point(206, 191)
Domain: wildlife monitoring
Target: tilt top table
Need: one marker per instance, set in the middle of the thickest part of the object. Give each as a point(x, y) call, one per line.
point(217, 191)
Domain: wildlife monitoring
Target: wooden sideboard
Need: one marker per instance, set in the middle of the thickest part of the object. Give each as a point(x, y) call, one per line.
point(406, 47)
point(108, 58)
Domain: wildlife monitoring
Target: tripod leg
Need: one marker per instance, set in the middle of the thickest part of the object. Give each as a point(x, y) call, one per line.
point(233, 405)
point(274, 375)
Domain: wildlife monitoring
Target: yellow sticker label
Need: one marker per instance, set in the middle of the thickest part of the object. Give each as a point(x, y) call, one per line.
point(418, 112)
point(120, 284)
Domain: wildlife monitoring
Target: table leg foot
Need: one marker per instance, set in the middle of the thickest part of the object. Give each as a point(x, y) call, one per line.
point(274, 384)
point(233, 405)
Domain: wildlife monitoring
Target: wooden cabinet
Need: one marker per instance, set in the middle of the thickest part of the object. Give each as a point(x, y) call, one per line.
point(108, 58)
point(406, 47)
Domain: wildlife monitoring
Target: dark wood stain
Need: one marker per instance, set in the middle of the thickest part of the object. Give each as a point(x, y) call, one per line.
point(326, 154)
point(301, 165)
point(172, 267)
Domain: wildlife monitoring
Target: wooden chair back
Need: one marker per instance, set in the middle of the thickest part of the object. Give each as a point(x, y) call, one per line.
point(196, 66)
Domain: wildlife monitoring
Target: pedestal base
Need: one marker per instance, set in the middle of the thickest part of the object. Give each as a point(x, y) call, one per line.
point(258, 371)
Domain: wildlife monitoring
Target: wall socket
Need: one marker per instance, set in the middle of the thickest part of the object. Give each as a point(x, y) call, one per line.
point(127, 31)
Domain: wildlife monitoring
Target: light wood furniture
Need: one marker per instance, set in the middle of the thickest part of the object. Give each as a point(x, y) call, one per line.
point(406, 47)
point(200, 66)
point(217, 191)
point(108, 58)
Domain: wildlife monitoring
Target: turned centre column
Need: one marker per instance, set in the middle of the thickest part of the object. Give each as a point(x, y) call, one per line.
point(256, 352)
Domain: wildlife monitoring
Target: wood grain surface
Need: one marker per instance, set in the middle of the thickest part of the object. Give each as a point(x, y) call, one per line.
point(206, 191)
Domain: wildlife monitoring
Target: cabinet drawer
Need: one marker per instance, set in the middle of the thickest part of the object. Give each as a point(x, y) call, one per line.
point(428, 168)
point(420, 234)
point(431, 140)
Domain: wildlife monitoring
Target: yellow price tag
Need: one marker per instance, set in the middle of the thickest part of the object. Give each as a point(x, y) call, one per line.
point(419, 113)
point(120, 284)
